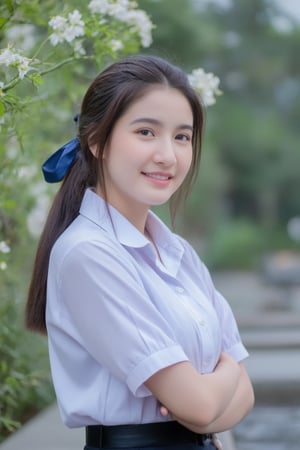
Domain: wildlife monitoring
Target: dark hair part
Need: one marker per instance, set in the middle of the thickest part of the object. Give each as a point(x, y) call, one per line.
point(108, 97)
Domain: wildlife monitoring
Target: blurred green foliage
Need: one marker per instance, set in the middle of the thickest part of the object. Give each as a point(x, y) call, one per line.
point(25, 385)
point(250, 164)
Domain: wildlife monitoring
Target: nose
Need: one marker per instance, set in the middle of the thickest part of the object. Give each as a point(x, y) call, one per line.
point(165, 153)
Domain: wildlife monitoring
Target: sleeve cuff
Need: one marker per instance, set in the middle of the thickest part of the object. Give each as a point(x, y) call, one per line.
point(237, 351)
point(152, 364)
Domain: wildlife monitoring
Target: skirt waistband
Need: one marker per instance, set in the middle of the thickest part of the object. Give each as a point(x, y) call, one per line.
point(143, 435)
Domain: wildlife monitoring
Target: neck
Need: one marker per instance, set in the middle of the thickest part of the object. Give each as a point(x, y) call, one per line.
point(136, 214)
point(150, 239)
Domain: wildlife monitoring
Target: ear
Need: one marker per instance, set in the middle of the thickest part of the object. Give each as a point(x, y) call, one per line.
point(94, 150)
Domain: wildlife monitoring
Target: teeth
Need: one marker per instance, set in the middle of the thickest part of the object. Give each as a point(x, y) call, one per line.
point(158, 177)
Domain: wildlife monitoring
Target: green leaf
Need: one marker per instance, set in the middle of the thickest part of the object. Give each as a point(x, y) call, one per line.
point(3, 21)
point(9, 5)
point(36, 78)
point(2, 108)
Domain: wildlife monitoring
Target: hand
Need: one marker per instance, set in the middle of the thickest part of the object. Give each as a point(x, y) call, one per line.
point(217, 443)
point(164, 411)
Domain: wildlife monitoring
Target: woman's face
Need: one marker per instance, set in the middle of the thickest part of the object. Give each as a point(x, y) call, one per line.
point(149, 152)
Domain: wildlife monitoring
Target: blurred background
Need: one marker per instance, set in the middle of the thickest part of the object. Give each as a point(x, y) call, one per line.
point(243, 215)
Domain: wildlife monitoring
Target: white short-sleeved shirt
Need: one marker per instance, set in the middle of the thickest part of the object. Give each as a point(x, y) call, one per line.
point(116, 314)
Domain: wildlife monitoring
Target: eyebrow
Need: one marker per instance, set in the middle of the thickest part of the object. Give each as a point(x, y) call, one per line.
point(158, 122)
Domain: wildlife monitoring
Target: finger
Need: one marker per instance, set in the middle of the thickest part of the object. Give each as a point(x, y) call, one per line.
point(164, 411)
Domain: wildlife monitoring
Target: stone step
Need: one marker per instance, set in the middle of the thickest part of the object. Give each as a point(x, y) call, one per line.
point(271, 339)
point(266, 320)
point(275, 375)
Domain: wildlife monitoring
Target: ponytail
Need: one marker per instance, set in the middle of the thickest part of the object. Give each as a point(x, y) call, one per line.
point(64, 210)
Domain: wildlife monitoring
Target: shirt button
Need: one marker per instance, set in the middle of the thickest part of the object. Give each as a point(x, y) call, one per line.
point(179, 289)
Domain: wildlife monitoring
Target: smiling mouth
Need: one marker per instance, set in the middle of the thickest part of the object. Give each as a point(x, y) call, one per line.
point(157, 176)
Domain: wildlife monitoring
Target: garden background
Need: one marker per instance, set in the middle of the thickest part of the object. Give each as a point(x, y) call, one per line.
point(249, 183)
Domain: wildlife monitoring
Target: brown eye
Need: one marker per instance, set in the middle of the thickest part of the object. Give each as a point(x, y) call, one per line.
point(183, 137)
point(145, 132)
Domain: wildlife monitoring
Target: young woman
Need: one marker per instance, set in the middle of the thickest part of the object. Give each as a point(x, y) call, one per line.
point(144, 351)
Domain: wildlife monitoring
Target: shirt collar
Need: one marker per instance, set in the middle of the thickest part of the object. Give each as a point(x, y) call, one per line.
point(95, 209)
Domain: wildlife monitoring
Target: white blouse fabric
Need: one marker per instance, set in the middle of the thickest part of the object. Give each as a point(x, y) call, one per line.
point(116, 315)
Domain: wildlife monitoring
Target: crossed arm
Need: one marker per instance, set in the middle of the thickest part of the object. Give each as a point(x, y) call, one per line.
point(206, 403)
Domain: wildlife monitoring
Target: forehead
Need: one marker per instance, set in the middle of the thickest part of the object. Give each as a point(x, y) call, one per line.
point(161, 101)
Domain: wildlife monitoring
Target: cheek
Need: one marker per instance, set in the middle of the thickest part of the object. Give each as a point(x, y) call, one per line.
point(186, 161)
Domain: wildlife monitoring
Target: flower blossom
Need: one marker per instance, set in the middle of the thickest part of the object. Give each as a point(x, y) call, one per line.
point(3, 265)
point(141, 22)
point(206, 85)
point(66, 29)
point(125, 11)
point(9, 57)
point(116, 45)
point(4, 248)
point(110, 8)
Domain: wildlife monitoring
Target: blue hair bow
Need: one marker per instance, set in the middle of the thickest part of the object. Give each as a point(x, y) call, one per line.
point(58, 164)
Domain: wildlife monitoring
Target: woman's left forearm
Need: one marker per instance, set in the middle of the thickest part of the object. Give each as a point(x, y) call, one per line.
point(239, 406)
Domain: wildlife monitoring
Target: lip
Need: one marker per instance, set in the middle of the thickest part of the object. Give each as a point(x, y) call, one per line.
point(158, 175)
point(161, 178)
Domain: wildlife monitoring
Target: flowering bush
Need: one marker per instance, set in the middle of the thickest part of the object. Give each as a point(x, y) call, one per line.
point(38, 42)
point(100, 28)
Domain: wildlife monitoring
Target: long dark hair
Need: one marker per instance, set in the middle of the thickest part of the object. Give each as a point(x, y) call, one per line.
point(107, 98)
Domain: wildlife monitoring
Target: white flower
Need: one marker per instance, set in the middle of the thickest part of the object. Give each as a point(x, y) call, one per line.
point(99, 7)
point(116, 45)
point(4, 248)
point(205, 84)
point(75, 18)
point(140, 20)
point(120, 9)
point(9, 57)
point(58, 24)
point(3, 265)
point(1, 85)
point(23, 67)
point(75, 26)
point(78, 48)
point(66, 29)
point(111, 8)
point(124, 11)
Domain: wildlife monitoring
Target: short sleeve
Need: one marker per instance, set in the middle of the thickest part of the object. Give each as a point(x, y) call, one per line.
point(113, 317)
